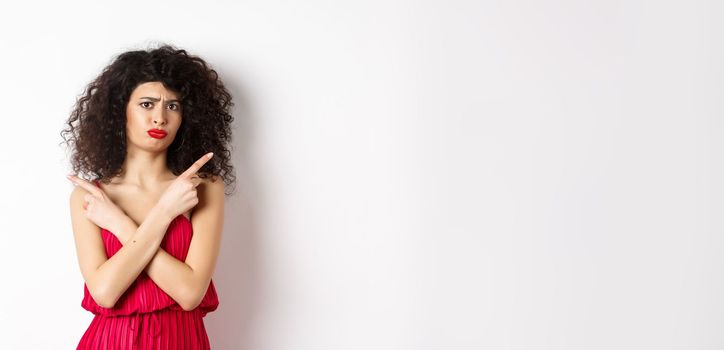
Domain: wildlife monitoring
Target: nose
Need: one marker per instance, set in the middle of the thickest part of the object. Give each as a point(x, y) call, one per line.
point(159, 118)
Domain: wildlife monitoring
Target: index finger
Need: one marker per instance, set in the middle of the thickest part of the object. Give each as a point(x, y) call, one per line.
point(92, 189)
point(197, 165)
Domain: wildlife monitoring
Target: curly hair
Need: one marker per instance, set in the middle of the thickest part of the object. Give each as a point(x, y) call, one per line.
point(97, 123)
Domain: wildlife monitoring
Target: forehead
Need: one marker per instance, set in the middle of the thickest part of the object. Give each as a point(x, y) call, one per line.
point(153, 89)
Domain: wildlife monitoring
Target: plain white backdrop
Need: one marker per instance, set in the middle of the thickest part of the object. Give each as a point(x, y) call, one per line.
point(411, 174)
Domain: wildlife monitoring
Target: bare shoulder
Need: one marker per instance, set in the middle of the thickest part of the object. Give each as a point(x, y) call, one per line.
point(76, 202)
point(209, 211)
point(76, 196)
point(212, 181)
point(212, 187)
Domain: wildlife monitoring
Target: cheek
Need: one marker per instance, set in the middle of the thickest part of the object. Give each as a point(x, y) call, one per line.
point(129, 123)
point(133, 116)
point(132, 122)
point(175, 122)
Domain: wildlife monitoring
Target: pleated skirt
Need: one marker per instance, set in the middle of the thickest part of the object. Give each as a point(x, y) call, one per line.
point(163, 329)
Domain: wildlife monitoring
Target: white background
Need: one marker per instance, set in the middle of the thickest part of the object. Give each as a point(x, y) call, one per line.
point(411, 174)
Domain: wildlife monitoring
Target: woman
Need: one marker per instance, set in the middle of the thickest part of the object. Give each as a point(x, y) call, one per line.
point(153, 130)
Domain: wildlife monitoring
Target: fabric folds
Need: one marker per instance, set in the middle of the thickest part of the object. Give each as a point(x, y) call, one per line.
point(145, 317)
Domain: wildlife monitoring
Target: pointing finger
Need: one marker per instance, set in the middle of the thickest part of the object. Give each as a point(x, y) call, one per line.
point(197, 165)
point(86, 185)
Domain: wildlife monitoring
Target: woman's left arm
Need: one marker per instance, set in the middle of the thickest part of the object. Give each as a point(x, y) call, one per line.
point(187, 281)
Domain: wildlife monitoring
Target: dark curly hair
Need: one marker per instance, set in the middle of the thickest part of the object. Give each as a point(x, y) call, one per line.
point(97, 123)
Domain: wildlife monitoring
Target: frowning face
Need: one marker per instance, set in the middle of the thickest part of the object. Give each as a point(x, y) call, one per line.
point(153, 116)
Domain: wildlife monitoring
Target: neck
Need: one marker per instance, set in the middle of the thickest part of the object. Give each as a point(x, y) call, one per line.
point(145, 169)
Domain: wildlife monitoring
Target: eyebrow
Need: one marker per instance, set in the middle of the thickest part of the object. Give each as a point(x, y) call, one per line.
point(154, 99)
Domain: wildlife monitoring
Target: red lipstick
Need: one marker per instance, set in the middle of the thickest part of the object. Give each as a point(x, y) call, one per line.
point(157, 133)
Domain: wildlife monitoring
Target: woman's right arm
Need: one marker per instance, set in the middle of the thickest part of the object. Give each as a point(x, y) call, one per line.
point(107, 279)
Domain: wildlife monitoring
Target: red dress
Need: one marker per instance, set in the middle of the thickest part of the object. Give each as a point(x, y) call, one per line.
point(145, 317)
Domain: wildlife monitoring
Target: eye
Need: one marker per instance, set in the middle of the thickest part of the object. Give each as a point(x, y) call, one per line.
point(174, 106)
point(143, 104)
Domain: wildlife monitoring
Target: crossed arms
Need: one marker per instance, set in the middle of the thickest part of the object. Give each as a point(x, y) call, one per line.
point(184, 281)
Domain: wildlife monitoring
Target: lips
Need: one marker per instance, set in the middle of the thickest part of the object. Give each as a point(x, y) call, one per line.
point(157, 133)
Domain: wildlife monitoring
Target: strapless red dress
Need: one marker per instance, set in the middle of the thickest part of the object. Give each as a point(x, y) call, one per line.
point(145, 317)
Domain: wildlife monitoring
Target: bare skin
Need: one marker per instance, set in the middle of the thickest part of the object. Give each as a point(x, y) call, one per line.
point(138, 206)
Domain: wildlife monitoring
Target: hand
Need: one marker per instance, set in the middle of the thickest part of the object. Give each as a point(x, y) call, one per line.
point(181, 195)
point(98, 207)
